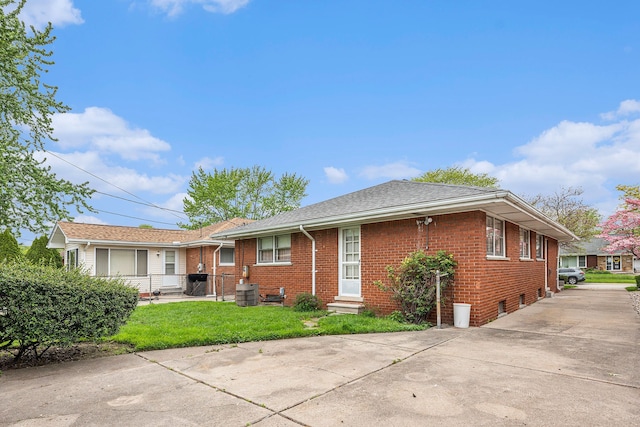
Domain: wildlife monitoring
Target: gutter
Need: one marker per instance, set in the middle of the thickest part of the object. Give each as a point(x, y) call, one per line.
point(313, 259)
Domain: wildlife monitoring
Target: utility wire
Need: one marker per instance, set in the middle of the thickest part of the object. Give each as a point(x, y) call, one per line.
point(135, 217)
point(119, 188)
point(139, 203)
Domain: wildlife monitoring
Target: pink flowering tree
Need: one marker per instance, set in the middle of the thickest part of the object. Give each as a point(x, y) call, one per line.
point(622, 229)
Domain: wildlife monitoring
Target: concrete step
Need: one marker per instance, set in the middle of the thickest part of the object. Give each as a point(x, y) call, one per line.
point(345, 308)
point(174, 290)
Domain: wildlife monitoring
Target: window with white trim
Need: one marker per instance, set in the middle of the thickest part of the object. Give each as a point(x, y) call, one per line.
point(525, 243)
point(227, 256)
point(121, 262)
point(72, 259)
point(495, 237)
point(170, 264)
point(274, 249)
point(582, 261)
point(539, 246)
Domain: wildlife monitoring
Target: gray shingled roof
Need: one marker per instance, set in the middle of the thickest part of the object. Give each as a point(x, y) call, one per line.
point(397, 200)
point(594, 246)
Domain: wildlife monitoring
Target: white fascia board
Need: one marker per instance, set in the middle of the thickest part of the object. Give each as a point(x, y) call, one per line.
point(465, 204)
point(378, 215)
point(535, 213)
point(124, 243)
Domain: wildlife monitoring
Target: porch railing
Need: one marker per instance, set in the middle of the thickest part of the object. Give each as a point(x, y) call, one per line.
point(221, 286)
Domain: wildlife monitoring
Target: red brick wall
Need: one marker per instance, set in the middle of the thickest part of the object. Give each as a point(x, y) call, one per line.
point(479, 281)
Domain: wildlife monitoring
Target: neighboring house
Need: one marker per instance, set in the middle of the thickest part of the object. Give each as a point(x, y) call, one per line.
point(151, 259)
point(506, 250)
point(591, 254)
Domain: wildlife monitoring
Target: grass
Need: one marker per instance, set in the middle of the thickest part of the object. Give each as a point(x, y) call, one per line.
point(608, 277)
point(631, 288)
point(196, 323)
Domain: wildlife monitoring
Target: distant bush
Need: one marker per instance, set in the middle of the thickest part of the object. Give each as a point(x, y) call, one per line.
point(38, 253)
point(596, 271)
point(306, 302)
point(41, 306)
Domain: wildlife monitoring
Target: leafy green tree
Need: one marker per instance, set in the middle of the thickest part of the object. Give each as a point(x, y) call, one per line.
point(9, 248)
point(458, 176)
point(251, 193)
point(31, 196)
point(39, 253)
point(567, 208)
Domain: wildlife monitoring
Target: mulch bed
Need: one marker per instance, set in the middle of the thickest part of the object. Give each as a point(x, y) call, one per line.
point(63, 354)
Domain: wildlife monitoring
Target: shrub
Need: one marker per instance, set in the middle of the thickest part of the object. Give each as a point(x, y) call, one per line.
point(413, 284)
point(9, 248)
point(38, 253)
point(632, 288)
point(637, 278)
point(41, 306)
point(306, 302)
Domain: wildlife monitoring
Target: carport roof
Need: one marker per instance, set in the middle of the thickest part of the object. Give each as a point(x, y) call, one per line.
point(395, 200)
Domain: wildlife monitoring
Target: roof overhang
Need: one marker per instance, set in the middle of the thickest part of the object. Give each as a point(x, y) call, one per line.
point(504, 205)
point(58, 240)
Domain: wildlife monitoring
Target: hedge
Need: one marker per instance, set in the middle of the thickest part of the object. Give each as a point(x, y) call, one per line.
point(41, 306)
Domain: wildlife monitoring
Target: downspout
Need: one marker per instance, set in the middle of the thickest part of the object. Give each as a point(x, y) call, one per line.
point(313, 259)
point(215, 270)
point(546, 263)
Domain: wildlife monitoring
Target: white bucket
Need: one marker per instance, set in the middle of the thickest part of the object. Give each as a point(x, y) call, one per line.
point(461, 314)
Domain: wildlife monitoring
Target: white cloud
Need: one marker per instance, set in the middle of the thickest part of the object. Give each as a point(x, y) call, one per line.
point(89, 219)
point(626, 108)
point(59, 12)
point(174, 203)
point(397, 170)
point(122, 177)
point(101, 130)
point(586, 155)
point(335, 175)
point(175, 7)
point(208, 163)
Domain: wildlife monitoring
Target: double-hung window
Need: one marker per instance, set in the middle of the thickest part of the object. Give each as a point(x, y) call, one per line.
point(274, 249)
point(539, 246)
point(121, 262)
point(525, 243)
point(495, 237)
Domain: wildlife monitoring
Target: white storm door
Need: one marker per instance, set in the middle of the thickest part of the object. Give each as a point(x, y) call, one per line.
point(349, 262)
point(170, 268)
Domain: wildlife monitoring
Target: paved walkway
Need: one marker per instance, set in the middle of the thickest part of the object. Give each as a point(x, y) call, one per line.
point(570, 360)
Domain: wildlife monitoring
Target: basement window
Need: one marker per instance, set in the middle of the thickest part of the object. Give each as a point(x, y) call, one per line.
point(502, 308)
point(522, 301)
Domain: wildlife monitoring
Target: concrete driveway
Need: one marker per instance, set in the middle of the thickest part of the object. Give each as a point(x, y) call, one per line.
point(571, 360)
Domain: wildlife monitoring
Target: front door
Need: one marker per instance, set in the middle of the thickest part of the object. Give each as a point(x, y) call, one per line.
point(350, 262)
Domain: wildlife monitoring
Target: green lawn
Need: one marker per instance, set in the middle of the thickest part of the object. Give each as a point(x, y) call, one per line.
point(608, 277)
point(194, 323)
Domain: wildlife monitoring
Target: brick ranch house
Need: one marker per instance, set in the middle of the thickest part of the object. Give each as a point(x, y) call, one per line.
point(591, 254)
point(506, 251)
point(151, 259)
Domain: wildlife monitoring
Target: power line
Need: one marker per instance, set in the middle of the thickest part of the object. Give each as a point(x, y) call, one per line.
point(149, 204)
point(140, 203)
point(134, 217)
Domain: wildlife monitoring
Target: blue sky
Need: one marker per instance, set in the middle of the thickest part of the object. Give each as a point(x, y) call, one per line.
point(348, 94)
